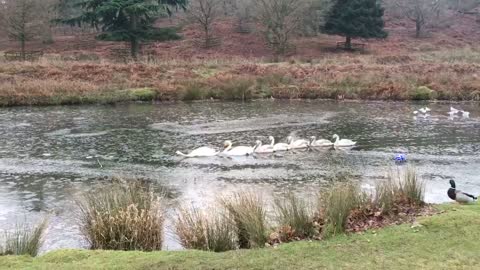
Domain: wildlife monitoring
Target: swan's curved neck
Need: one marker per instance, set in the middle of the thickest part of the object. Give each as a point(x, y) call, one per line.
point(337, 138)
point(272, 141)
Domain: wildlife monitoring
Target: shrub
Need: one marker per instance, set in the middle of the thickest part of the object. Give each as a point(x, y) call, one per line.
point(248, 213)
point(237, 89)
point(192, 91)
point(422, 93)
point(144, 94)
point(294, 217)
point(23, 240)
point(125, 215)
point(198, 230)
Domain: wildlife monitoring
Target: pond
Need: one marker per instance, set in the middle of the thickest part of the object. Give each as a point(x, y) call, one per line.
point(50, 155)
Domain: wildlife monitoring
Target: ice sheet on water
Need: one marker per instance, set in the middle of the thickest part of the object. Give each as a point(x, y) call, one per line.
point(276, 121)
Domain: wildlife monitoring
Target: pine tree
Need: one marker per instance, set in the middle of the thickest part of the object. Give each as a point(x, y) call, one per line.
point(355, 19)
point(131, 20)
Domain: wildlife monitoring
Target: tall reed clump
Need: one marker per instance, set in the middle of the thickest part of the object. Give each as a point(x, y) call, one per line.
point(294, 217)
point(336, 204)
point(248, 213)
point(23, 240)
point(210, 231)
point(125, 215)
point(399, 190)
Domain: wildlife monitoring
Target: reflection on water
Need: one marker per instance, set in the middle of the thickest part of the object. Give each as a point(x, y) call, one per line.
point(49, 155)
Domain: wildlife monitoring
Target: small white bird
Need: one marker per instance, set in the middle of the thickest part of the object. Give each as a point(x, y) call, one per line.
point(452, 109)
point(415, 112)
point(422, 110)
point(427, 109)
point(452, 113)
point(465, 114)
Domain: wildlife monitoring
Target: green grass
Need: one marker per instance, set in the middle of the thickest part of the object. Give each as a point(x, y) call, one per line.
point(445, 241)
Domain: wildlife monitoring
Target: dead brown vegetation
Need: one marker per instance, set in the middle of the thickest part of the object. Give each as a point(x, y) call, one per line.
point(443, 75)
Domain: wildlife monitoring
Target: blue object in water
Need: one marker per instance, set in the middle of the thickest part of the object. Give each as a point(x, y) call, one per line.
point(400, 158)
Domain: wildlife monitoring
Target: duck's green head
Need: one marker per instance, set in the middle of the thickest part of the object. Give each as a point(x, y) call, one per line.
point(452, 183)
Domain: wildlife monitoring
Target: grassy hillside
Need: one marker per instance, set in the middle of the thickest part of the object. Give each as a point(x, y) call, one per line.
point(445, 241)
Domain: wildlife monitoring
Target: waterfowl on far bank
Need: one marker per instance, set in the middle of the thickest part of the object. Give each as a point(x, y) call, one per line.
point(458, 195)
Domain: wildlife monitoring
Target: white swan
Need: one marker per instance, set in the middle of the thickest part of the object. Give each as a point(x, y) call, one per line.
point(422, 110)
point(322, 142)
point(281, 146)
point(238, 150)
point(297, 144)
point(342, 142)
point(200, 152)
point(268, 148)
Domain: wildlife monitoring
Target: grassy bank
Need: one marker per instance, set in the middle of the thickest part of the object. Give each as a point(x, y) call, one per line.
point(445, 241)
point(443, 75)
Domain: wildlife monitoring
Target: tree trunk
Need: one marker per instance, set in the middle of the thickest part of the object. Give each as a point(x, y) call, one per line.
point(22, 46)
point(134, 47)
point(207, 37)
point(418, 29)
point(348, 43)
point(134, 42)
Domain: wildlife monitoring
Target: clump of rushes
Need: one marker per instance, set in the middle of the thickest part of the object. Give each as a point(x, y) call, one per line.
point(412, 189)
point(23, 240)
point(125, 215)
point(205, 230)
point(248, 213)
point(336, 204)
point(403, 189)
point(295, 218)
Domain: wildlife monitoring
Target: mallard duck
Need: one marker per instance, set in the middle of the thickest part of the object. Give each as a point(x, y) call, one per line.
point(458, 195)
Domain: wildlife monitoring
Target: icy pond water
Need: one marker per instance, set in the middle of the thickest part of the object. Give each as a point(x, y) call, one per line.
point(51, 155)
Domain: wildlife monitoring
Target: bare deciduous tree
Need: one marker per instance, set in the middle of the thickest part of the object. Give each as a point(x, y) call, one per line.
point(422, 12)
point(244, 14)
point(280, 18)
point(21, 21)
point(204, 13)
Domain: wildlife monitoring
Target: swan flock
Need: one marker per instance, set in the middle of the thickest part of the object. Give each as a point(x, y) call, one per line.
point(272, 147)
